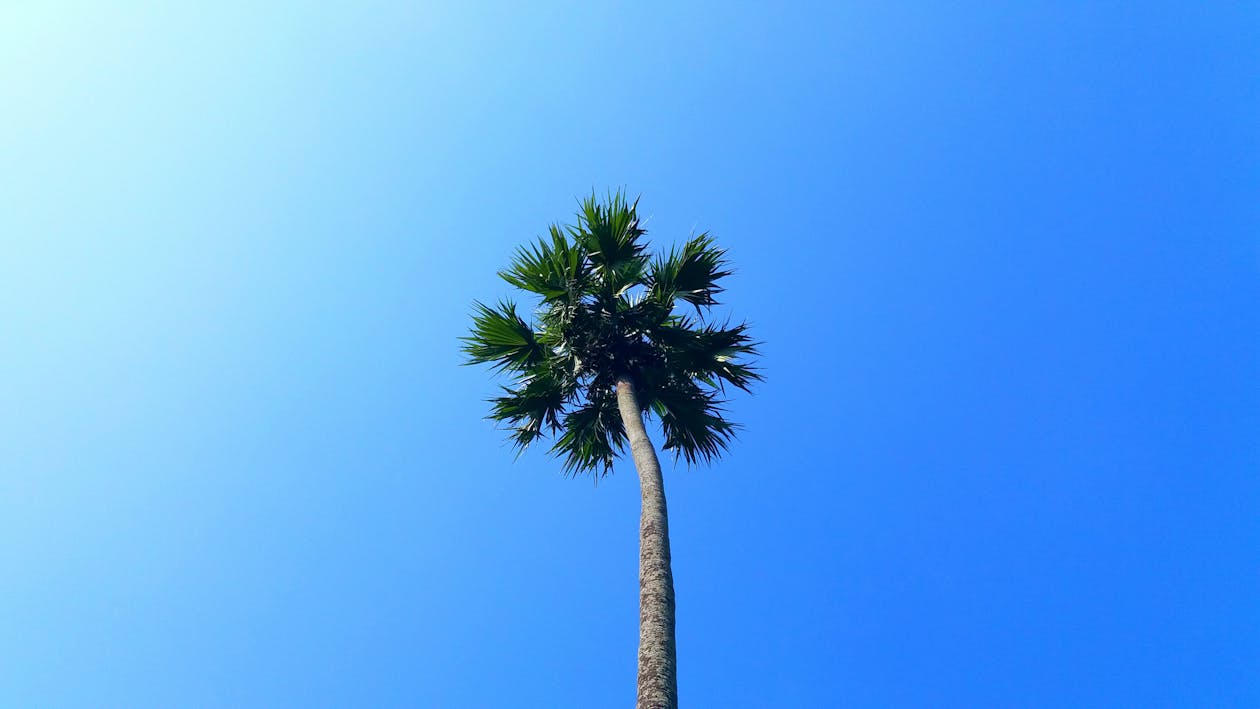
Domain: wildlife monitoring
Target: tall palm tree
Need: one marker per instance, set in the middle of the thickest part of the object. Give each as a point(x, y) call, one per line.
point(612, 338)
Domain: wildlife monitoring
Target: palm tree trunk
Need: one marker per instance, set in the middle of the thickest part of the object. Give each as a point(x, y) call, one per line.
point(658, 675)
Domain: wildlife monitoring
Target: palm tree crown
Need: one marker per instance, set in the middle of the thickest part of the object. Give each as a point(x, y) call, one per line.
point(607, 310)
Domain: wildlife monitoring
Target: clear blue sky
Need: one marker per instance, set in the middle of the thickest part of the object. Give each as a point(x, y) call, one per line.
point(1003, 256)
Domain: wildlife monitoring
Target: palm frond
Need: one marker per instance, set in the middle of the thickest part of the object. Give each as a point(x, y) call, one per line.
point(691, 273)
point(642, 314)
point(610, 233)
point(554, 269)
point(534, 406)
point(593, 436)
point(692, 420)
point(711, 354)
point(625, 275)
point(502, 339)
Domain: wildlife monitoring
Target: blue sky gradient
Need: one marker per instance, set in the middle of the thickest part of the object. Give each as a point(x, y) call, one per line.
point(1004, 260)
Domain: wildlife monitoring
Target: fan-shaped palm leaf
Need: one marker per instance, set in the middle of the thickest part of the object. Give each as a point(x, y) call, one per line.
point(593, 436)
point(692, 420)
point(691, 273)
point(555, 268)
point(502, 339)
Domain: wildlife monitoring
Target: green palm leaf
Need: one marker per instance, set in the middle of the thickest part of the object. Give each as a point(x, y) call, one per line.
point(554, 270)
point(610, 235)
point(692, 420)
point(593, 436)
point(691, 273)
point(502, 339)
point(536, 404)
point(711, 354)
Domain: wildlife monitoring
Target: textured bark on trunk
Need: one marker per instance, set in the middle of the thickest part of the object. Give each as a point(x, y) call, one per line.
point(658, 677)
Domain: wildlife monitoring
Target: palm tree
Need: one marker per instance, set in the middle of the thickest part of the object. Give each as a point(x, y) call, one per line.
point(608, 344)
